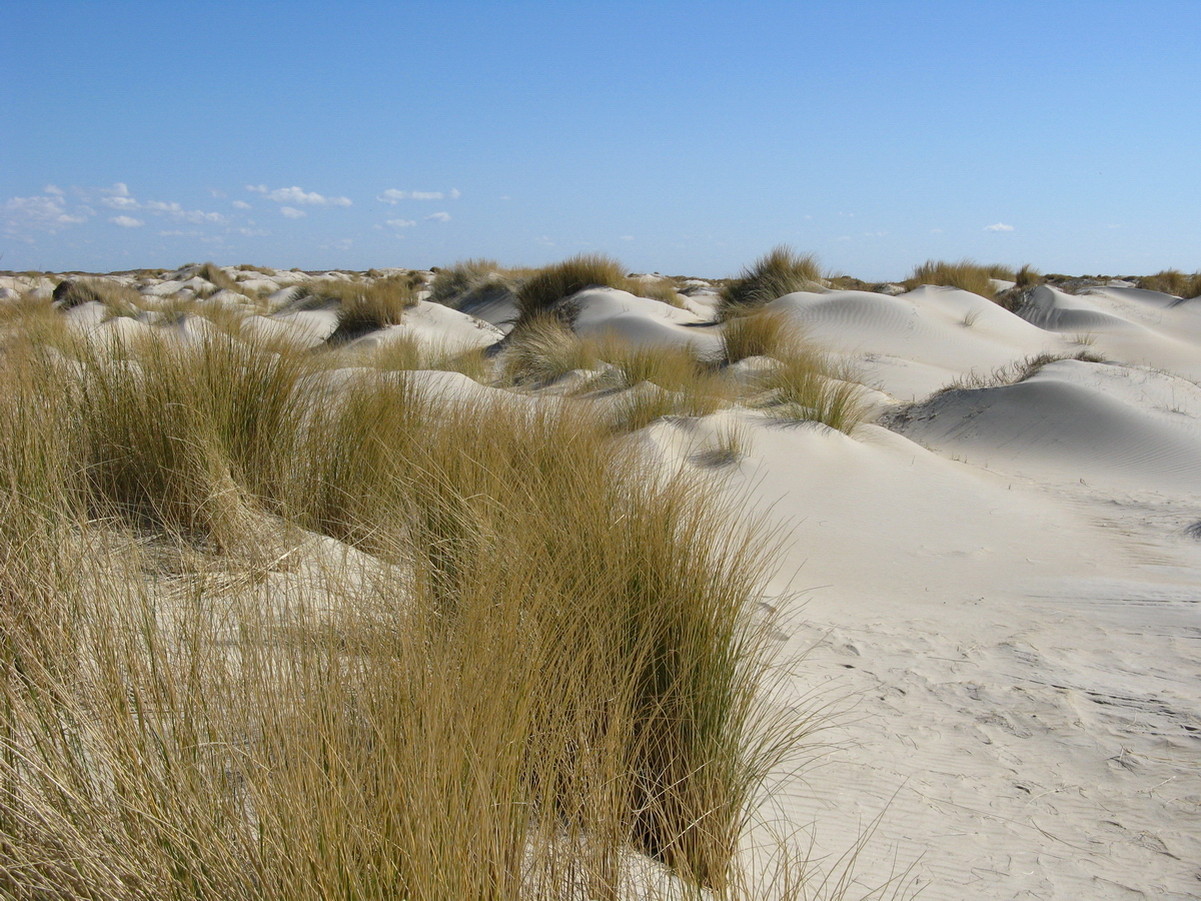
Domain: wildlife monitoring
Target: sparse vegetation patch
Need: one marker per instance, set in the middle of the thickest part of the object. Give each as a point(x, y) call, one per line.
point(781, 271)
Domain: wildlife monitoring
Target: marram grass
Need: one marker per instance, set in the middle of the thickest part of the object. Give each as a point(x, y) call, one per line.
point(779, 272)
point(489, 692)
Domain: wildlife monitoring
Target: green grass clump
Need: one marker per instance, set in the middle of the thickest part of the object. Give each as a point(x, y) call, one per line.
point(363, 306)
point(782, 271)
point(656, 381)
point(758, 335)
point(661, 289)
point(1028, 277)
point(216, 276)
point(808, 387)
point(453, 283)
point(1173, 281)
point(120, 299)
point(965, 275)
point(543, 289)
point(187, 438)
point(542, 349)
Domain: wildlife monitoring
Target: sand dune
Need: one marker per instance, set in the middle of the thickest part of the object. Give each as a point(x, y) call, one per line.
point(995, 598)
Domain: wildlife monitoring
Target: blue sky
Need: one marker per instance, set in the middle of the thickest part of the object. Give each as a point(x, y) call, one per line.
point(681, 137)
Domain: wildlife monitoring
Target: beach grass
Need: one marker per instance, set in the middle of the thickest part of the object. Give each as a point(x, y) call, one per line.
point(781, 271)
point(1173, 281)
point(479, 689)
point(758, 335)
point(544, 288)
point(809, 386)
point(965, 275)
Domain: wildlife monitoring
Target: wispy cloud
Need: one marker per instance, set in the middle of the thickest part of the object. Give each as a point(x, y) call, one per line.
point(241, 205)
point(401, 223)
point(126, 221)
point(290, 212)
point(42, 212)
point(998, 227)
point(299, 195)
point(119, 197)
point(439, 217)
point(394, 195)
point(120, 202)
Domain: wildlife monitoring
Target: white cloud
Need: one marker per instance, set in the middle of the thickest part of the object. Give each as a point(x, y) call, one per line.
point(290, 212)
point(175, 211)
point(241, 205)
point(119, 189)
point(401, 223)
point(936, 231)
point(252, 232)
point(296, 194)
point(127, 221)
point(53, 189)
point(44, 212)
point(998, 227)
point(394, 195)
point(626, 238)
point(439, 217)
point(199, 216)
point(120, 202)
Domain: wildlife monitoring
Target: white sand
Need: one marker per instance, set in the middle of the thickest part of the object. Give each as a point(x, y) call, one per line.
point(1007, 623)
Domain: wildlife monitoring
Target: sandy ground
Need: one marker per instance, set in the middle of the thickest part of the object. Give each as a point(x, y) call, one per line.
point(999, 607)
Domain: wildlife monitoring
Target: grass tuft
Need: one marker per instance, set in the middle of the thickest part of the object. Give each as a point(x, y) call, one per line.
point(1028, 277)
point(758, 335)
point(542, 349)
point(217, 276)
point(1173, 281)
point(542, 290)
point(363, 306)
point(965, 275)
point(808, 387)
point(782, 271)
point(453, 285)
